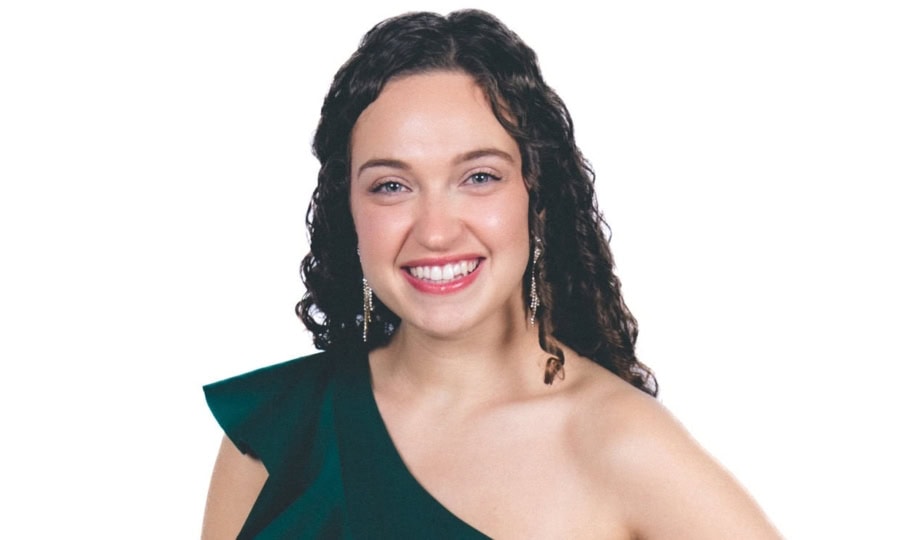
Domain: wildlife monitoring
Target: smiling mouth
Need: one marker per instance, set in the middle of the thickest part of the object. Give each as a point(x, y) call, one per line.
point(444, 273)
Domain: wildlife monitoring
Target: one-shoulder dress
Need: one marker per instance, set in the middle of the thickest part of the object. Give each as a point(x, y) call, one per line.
point(334, 471)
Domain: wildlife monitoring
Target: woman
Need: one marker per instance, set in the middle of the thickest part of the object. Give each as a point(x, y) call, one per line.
point(479, 375)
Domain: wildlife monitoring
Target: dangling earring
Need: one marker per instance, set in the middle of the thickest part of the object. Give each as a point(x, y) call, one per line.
point(367, 304)
point(535, 300)
point(367, 307)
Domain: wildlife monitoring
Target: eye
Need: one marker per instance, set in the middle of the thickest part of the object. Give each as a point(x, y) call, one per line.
point(483, 178)
point(390, 186)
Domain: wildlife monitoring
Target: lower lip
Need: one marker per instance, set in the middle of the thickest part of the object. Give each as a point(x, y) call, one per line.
point(447, 287)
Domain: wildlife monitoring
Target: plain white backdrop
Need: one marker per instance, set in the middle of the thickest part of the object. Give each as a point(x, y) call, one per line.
point(752, 159)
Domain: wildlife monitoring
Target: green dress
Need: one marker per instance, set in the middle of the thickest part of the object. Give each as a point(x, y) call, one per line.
point(333, 469)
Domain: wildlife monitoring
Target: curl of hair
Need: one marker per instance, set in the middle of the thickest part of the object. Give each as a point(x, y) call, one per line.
point(580, 301)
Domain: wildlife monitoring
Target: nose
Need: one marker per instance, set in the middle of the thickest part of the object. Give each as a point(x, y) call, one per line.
point(438, 223)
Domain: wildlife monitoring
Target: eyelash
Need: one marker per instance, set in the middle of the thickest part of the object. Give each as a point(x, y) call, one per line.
point(393, 186)
point(490, 176)
point(385, 187)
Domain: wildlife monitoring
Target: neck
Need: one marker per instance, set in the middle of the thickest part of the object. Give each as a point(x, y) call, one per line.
point(488, 363)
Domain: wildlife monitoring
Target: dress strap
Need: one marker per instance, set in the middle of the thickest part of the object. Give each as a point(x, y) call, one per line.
point(383, 498)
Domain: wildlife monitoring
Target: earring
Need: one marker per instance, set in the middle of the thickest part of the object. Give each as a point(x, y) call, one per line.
point(367, 307)
point(535, 300)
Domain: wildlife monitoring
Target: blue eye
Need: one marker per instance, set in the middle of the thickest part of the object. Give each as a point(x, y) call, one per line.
point(483, 178)
point(388, 187)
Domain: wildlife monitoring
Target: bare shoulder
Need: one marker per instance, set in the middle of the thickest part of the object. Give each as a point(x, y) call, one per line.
point(640, 455)
point(237, 480)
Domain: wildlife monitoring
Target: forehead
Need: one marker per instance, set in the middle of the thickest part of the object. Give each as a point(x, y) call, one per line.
point(428, 116)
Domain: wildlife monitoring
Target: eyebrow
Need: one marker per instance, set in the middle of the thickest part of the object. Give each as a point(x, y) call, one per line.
point(383, 162)
point(483, 152)
point(460, 158)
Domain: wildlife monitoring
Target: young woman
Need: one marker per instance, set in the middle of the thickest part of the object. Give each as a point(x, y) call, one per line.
point(478, 377)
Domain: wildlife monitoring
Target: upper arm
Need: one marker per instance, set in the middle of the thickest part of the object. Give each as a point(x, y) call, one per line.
point(672, 488)
point(237, 480)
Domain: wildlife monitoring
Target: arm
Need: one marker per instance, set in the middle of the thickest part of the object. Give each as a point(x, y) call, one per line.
point(671, 488)
point(236, 482)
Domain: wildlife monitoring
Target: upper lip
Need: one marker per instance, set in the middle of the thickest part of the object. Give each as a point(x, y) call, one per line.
point(441, 261)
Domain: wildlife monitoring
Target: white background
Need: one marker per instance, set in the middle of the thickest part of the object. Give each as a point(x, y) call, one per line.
point(752, 159)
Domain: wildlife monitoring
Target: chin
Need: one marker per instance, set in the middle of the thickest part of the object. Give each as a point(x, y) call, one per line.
point(441, 327)
point(442, 331)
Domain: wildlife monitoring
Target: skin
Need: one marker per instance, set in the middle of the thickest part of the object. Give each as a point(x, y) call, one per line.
point(460, 386)
point(237, 480)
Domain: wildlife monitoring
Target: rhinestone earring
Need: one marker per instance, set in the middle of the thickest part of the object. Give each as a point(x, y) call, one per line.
point(367, 308)
point(535, 300)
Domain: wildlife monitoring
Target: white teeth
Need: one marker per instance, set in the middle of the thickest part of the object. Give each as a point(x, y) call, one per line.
point(447, 272)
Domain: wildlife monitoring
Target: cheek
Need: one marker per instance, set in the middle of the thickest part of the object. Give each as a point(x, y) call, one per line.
point(379, 232)
point(378, 221)
point(507, 218)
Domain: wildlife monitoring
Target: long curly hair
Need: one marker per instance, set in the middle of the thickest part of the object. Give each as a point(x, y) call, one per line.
point(580, 301)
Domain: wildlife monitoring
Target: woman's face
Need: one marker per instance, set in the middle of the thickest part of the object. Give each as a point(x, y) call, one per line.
point(440, 206)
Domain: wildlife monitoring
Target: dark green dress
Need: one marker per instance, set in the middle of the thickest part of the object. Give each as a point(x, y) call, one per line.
point(333, 469)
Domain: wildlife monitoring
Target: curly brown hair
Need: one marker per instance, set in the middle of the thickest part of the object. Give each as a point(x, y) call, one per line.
point(580, 301)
